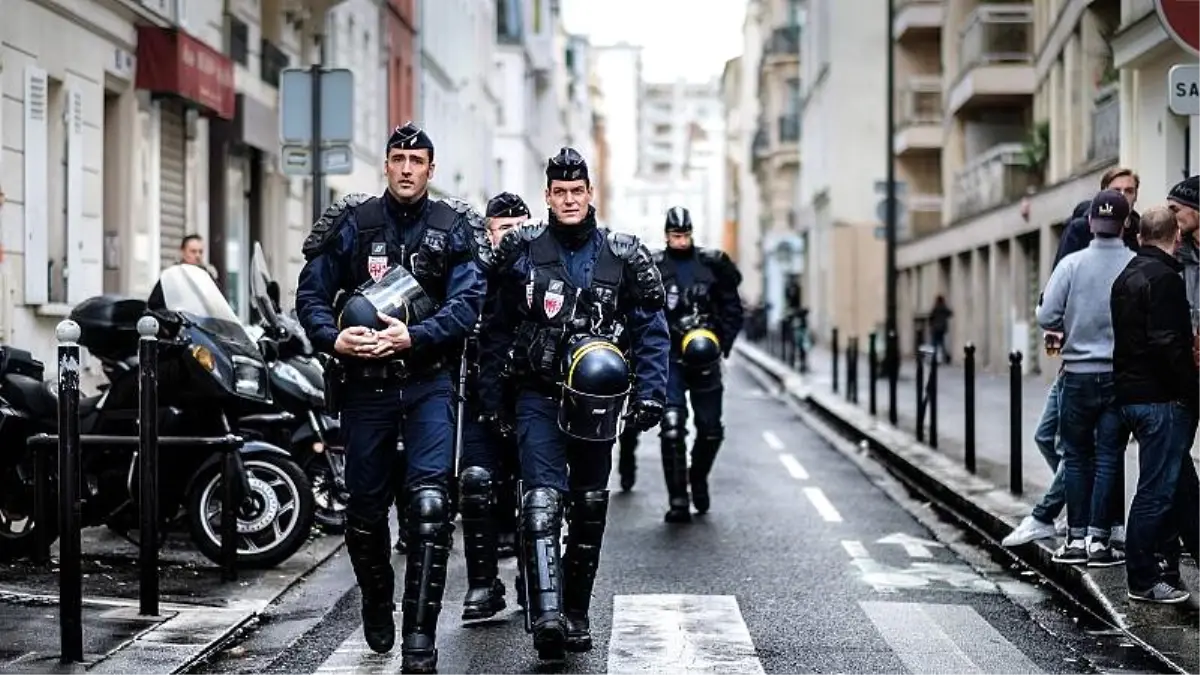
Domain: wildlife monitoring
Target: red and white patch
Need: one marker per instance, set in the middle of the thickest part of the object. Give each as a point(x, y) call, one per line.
point(377, 265)
point(552, 304)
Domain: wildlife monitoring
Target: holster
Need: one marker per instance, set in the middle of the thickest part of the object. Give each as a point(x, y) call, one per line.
point(335, 386)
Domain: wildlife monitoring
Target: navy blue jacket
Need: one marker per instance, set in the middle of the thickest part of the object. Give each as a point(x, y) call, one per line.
point(321, 279)
point(727, 302)
point(649, 337)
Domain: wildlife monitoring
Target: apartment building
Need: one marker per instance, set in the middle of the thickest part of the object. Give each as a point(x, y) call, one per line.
point(402, 61)
point(740, 86)
point(618, 68)
point(1037, 100)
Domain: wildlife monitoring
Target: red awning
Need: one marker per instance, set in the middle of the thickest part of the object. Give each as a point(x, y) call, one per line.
point(169, 61)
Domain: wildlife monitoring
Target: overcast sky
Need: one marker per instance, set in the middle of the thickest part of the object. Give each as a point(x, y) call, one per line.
point(691, 39)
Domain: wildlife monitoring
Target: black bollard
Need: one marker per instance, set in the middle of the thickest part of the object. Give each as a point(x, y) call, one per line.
point(872, 373)
point(229, 512)
point(1014, 423)
point(147, 328)
point(931, 394)
point(892, 356)
point(969, 404)
point(920, 412)
point(834, 351)
point(854, 352)
point(70, 572)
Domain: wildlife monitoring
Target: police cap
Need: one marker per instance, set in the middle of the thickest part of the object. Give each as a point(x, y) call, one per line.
point(409, 137)
point(506, 205)
point(567, 165)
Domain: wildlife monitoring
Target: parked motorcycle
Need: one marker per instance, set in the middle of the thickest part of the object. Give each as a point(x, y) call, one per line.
point(209, 372)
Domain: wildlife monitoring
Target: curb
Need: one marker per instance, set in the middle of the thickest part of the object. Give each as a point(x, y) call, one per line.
point(976, 503)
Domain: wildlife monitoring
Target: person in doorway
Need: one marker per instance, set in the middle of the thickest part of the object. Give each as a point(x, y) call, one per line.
point(191, 252)
point(939, 325)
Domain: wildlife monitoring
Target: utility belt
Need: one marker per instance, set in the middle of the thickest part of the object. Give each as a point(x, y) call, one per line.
point(396, 371)
point(538, 352)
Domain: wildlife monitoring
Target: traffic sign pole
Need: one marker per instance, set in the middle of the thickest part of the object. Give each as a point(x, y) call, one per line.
point(315, 141)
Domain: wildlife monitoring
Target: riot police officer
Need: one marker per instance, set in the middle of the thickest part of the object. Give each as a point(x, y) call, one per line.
point(704, 312)
point(570, 298)
point(416, 293)
point(488, 480)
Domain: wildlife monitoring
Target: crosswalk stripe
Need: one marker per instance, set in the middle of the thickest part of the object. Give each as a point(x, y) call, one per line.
point(935, 639)
point(680, 634)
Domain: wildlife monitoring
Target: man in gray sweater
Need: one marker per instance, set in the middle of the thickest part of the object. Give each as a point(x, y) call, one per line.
point(1077, 304)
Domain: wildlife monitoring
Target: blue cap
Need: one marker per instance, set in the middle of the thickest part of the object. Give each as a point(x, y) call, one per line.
point(1108, 212)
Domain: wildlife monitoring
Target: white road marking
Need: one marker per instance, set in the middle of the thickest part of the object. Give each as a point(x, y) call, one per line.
point(855, 549)
point(930, 638)
point(822, 504)
point(914, 547)
point(886, 578)
point(680, 634)
point(793, 466)
point(773, 441)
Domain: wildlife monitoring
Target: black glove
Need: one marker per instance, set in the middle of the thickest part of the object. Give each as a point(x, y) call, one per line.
point(644, 415)
point(497, 426)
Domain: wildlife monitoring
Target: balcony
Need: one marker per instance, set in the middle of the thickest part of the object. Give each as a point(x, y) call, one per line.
point(919, 115)
point(924, 213)
point(789, 128)
point(274, 60)
point(760, 147)
point(995, 58)
point(785, 153)
point(1105, 144)
point(917, 19)
point(993, 178)
point(783, 45)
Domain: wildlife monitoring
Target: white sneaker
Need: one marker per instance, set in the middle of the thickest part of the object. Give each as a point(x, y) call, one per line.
point(1060, 526)
point(1030, 529)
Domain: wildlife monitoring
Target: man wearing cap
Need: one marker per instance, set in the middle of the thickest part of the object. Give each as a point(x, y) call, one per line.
point(397, 380)
point(1076, 304)
point(704, 313)
point(489, 455)
point(1184, 200)
point(569, 299)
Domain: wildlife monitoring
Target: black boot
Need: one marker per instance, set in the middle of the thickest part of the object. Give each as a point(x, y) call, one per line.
point(674, 461)
point(627, 460)
point(704, 453)
point(585, 532)
point(367, 544)
point(424, 578)
point(485, 591)
point(541, 523)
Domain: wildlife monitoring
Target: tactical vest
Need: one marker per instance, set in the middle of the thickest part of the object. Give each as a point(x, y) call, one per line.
point(556, 310)
point(379, 247)
point(691, 307)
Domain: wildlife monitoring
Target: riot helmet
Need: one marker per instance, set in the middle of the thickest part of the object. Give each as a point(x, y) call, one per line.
point(595, 387)
point(700, 348)
point(679, 219)
point(397, 294)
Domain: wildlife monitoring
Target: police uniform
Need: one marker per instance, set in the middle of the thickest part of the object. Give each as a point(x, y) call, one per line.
point(704, 312)
point(489, 459)
point(372, 247)
point(568, 299)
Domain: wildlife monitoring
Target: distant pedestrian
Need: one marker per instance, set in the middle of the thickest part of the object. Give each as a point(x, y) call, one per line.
point(939, 325)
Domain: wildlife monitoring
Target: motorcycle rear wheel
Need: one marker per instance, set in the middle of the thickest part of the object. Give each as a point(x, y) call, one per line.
point(17, 524)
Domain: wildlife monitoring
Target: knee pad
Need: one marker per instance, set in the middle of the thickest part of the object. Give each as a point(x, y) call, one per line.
point(674, 424)
point(541, 511)
point(590, 506)
point(476, 489)
point(428, 512)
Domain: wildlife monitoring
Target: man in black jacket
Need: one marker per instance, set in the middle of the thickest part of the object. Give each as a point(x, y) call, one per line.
point(1155, 377)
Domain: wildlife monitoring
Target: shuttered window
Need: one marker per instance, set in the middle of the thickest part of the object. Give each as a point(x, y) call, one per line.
point(172, 183)
point(36, 195)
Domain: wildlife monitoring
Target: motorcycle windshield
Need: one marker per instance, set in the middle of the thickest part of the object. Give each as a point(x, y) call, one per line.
point(260, 279)
point(190, 291)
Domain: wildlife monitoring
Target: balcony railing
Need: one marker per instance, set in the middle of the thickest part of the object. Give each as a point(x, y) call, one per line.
point(1106, 125)
point(789, 128)
point(274, 60)
point(924, 202)
point(761, 144)
point(783, 41)
point(996, 177)
point(921, 101)
point(996, 33)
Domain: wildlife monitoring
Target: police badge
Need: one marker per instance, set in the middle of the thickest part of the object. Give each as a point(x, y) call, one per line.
point(552, 303)
point(377, 262)
point(672, 297)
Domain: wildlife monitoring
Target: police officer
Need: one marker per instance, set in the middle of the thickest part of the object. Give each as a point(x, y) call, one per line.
point(570, 297)
point(489, 460)
point(704, 312)
point(402, 255)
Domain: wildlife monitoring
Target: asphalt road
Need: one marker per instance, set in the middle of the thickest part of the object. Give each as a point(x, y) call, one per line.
point(807, 563)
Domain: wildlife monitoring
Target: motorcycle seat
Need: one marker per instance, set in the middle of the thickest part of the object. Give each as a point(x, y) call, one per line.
point(33, 395)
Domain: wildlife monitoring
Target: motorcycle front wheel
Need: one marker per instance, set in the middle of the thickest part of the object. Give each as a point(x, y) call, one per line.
point(273, 521)
point(17, 522)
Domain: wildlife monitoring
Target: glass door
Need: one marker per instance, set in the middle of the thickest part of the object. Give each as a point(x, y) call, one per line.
point(237, 228)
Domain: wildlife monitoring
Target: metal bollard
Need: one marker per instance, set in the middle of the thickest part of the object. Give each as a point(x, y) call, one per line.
point(147, 328)
point(892, 351)
point(1015, 479)
point(70, 572)
point(969, 404)
point(229, 510)
point(852, 369)
point(931, 394)
point(834, 349)
point(872, 373)
point(920, 411)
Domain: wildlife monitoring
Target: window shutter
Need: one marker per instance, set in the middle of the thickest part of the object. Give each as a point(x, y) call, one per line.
point(85, 236)
point(37, 193)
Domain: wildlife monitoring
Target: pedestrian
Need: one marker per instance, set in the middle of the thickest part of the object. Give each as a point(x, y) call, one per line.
point(1156, 389)
point(487, 482)
point(1184, 201)
point(571, 297)
point(191, 252)
point(1076, 303)
point(419, 293)
point(704, 314)
point(939, 325)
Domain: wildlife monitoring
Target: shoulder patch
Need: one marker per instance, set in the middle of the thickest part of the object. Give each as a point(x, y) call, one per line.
point(623, 245)
point(325, 230)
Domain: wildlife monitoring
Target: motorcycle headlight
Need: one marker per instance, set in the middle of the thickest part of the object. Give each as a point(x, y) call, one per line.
point(249, 377)
point(288, 372)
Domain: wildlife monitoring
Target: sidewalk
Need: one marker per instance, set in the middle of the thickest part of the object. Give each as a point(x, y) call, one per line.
point(983, 501)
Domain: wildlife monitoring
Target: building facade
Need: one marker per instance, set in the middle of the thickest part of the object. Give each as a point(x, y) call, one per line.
point(619, 71)
point(403, 66)
point(743, 109)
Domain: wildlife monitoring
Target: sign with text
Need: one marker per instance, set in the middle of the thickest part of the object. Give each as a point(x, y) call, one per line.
point(1183, 89)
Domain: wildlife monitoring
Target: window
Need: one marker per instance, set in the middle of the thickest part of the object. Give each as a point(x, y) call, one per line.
point(510, 28)
point(237, 40)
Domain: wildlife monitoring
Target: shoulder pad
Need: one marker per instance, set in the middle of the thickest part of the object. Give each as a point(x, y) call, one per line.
point(646, 275)
point(659, 256)
point(623, 245)
point(721, 263)
point(330, 223)
point(517, 239)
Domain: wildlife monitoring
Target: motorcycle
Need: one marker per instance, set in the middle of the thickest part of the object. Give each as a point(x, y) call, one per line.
point(209, 371)
point(298, 388)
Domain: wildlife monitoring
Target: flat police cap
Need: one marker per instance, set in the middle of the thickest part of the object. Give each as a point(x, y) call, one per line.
point(568, 164)
point(506, 205)
point(410, 137)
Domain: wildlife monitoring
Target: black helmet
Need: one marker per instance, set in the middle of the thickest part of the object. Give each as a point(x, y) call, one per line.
point(567, 165)
point(506, 205)
point(679, 219)
point(595, 386)
point(396, 294)
point(700, 348)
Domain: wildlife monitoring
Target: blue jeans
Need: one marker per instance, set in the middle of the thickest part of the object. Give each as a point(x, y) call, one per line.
point(1164, 435)
point(1046, 438)
point(549, 457)
point(374, 418)
point(1093, 435)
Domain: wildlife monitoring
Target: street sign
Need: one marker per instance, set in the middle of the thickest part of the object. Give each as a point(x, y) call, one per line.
point(1183, 87)
point(336, 134)
point(1181, 20)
